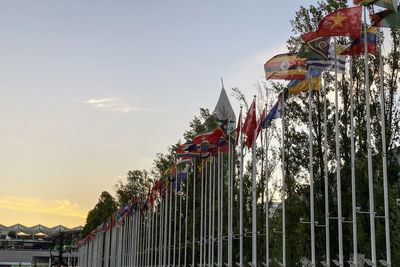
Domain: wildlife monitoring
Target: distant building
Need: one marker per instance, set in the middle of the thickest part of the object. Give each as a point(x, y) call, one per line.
point(34, 246)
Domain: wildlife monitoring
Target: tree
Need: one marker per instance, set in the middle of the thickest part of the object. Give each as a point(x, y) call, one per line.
point(137, 185)
point(104, 208)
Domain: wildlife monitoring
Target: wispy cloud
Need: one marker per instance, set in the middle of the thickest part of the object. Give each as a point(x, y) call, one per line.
point(61, 207)
point(113, 104)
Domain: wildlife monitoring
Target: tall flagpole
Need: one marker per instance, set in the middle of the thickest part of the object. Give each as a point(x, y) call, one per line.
point(369, 145)
point(194, 215)
point(169, 225)
point(222, 206)
point(283, 184)
point(186, 217)
point(219, 209)
point(326, 185)
point(201, 214)
point(165, 226)
point(205, 215)
point(384, 160)
point(266, 194)
point(180, 228)
point(155, 245)
point(353, 168)
point(213, 213)
point(254, 202)
point(241, 195)
point(210, 214)
point(229, 199)
point(312, 219)
point(338, 178)
point(176, 202)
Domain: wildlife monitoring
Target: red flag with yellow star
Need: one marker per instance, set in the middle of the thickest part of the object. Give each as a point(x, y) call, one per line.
point(343, 22)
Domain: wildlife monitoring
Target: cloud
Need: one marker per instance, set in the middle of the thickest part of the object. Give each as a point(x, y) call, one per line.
point(113, 104)
point(61, 207)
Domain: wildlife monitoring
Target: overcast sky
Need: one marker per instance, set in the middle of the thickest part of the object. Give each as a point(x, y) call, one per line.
point(92, 89)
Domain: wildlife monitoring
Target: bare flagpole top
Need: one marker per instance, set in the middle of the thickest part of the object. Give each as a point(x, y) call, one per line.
point(222, 82)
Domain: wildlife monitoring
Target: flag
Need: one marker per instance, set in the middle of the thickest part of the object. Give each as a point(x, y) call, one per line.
point(342, 22)
point(211, 137)
point(181, 176)
point(250, 124)
point(386, 18)
point(238, 127)
point(223, 110)
point(328, 65)
point(317, 48)
point(389, 4)
point(274, 113)
point(285, 67)
point(357, 46)
point(295, 86)
point(259, 121)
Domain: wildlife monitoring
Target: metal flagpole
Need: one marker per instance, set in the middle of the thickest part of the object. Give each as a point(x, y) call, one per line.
point(353, 168)
point(312, 219)
point(384, 160)
point(180, 228)
point(169, 225)
point(229, 200)
point(160, 236)
point(155, 238)
point(283, 184)
point(165, 226)
point(205, 216)
point(219, 254)
point(149, 237)
point(241, 195)
point(326, 185)
point(254, 207)
point(222, 206)
point(194, 215)
point(338, 178)
point(369, 145)
point(186, 218)
point(201, 214)
point(176, 199)
point(213, 214)
point(209, 214)
point(266, 194)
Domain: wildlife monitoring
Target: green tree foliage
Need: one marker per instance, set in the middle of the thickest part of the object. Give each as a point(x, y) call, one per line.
point(104, 208)
point(137, 185)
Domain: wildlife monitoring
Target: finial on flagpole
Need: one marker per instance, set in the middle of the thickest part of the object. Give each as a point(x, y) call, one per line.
point(222, 82)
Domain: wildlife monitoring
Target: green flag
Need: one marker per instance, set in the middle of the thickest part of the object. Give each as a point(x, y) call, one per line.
point(317, 48)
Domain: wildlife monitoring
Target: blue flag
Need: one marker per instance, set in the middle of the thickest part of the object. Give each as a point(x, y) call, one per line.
point(274, 113)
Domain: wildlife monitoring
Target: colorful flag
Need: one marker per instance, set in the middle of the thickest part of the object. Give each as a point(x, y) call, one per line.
point(211, 137)
point(181, 176)
point(238, 127)
point(250, 124)
point(328, 65)
point(357, 46)
point(285, 67)
point(259, 122)
point(386, 18)
point(295, 86)
point(317, 48)
point(274, 113)
point(343, 22)
point(389, 4)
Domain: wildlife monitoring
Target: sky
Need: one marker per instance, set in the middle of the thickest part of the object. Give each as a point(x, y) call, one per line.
point(92, 89)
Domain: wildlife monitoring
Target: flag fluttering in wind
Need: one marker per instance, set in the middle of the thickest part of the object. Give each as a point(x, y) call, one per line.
point(317, 48)
point(357, 46)
point(389, 4)
point(296, 86)
point(259, 122)
point(181, 176)
point(328, 65)
point(386, 19)
point(238, 127)
point(285, 67)
point(250, 124)
point(343, 22)
point(274, 113)
point(211, 137)
point(223, 110)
